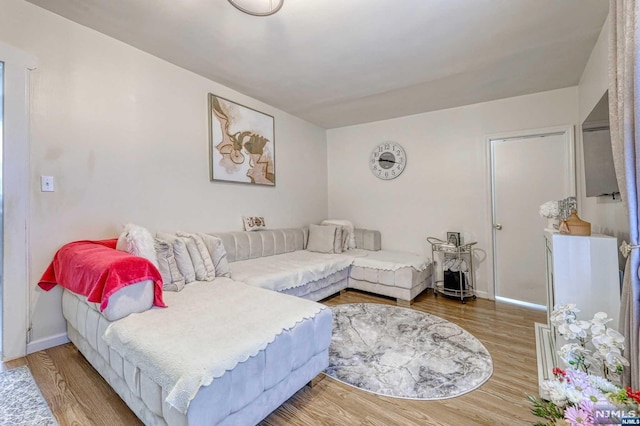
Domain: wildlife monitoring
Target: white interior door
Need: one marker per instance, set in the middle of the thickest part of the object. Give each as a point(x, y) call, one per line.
point(526, 172)
point(15, 193)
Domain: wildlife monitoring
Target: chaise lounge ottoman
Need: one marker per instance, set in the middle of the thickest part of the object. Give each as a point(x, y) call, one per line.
point(391, 273)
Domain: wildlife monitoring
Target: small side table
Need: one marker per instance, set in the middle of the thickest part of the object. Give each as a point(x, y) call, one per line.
point(457, 259)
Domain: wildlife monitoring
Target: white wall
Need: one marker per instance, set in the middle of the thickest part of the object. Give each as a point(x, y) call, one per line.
point(445, 184)
point(606, 215)
point(125, 136)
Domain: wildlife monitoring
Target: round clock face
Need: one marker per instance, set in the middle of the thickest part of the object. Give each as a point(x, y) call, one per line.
point(387, 160)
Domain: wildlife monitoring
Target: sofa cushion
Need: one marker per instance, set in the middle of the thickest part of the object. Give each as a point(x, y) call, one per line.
point(200, 257)
point(367, 239)
point(218, 255)
point(348, 236)
point(172, 279)
point(288, 270)
point(242, 245)
point(195, 349)
point(183, 259)
point(390, 268)
point(322, 238)
point(137, 241)
point(253, 223)
point(339, 238)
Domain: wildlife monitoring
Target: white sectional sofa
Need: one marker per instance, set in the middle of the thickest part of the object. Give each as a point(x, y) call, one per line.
point(260, 258)
point(256, 347)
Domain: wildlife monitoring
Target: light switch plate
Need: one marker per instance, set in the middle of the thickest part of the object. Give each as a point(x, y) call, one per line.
point(46, 184)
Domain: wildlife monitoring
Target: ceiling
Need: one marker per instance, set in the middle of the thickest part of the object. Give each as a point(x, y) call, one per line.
point(337, 63)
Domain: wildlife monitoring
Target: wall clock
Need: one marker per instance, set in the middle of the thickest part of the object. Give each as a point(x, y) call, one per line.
point(387, 160)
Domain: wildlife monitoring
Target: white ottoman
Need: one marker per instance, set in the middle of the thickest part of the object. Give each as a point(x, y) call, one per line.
point(390, 273)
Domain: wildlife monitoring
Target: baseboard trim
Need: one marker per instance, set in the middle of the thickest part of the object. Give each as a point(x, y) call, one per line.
point(482, 295)
point(520, 303)
point(47, 342)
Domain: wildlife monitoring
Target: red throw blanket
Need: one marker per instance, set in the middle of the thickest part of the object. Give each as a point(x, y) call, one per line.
point(96, 270)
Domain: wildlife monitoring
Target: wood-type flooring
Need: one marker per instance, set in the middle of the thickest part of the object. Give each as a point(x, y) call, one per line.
point(78, 395)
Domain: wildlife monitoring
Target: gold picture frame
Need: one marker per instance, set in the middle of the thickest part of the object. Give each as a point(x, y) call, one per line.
point(241, 143)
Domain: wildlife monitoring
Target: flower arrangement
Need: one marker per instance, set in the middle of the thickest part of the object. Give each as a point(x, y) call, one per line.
point(578, 398)
point(584, 393)
point(595, 348)
point(550, 210)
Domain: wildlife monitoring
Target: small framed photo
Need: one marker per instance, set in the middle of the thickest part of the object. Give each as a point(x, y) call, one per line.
point(453, 238)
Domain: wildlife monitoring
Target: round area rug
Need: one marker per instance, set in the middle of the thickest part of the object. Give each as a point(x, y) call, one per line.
point(404, 353)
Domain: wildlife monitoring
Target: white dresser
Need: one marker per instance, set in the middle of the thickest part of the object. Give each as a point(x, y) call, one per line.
point(583, 271)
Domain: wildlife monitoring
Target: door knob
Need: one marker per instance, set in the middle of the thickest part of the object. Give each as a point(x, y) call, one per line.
point(497, 226)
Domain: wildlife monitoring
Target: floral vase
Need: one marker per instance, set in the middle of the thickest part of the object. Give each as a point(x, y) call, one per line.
point(553, 223)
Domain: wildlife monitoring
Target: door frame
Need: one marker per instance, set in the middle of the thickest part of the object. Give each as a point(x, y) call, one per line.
point(16, 286)
point(568, 133)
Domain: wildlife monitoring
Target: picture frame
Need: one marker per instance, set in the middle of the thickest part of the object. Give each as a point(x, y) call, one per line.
point(241, 143)
point(454, 238)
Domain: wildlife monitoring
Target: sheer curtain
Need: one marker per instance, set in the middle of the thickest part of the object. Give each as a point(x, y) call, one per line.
point(623, 115)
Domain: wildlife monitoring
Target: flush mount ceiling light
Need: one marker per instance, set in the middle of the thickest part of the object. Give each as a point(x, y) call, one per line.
point(258, 7)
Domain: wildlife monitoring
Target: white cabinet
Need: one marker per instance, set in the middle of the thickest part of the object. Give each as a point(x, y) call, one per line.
point(584, 271)
point(580, 270)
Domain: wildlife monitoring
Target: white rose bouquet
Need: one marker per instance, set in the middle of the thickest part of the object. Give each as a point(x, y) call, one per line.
point(550, 210)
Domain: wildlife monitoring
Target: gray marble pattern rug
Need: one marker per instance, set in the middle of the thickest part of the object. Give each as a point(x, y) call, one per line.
point(404, 353)
point(21, 402)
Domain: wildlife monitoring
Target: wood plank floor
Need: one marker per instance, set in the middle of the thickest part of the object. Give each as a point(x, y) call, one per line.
point(78, 395)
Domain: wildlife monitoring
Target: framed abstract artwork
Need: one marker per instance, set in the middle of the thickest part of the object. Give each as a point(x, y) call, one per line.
point(241, 143)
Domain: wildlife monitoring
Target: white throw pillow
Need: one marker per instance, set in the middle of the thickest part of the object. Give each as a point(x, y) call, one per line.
point(202, 262)
point(322, 238)
point(253, 223)
point(180, 252)
point(218, 255)
point(196, 257)
point(349, 237)
point(172, 279)
point(137, 241)
point(338, 240)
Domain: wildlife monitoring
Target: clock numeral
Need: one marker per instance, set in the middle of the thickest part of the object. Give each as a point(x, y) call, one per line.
point(393, 172)
point(380, 149)
point(398, 167)
point(386, 174)
point(386, 147)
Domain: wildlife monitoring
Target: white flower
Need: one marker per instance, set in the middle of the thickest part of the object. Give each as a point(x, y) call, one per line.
point(616, 337)
point(593, 346)
point(574, 330)
point(573, 395)
point(598, 329)
point(600, 318)
point(556, 391)
point(615, 360)
point(604, 385)
point(579, 328)
point(606, 342)
point(572, 353)
point(550, 209)
point(564, 314)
